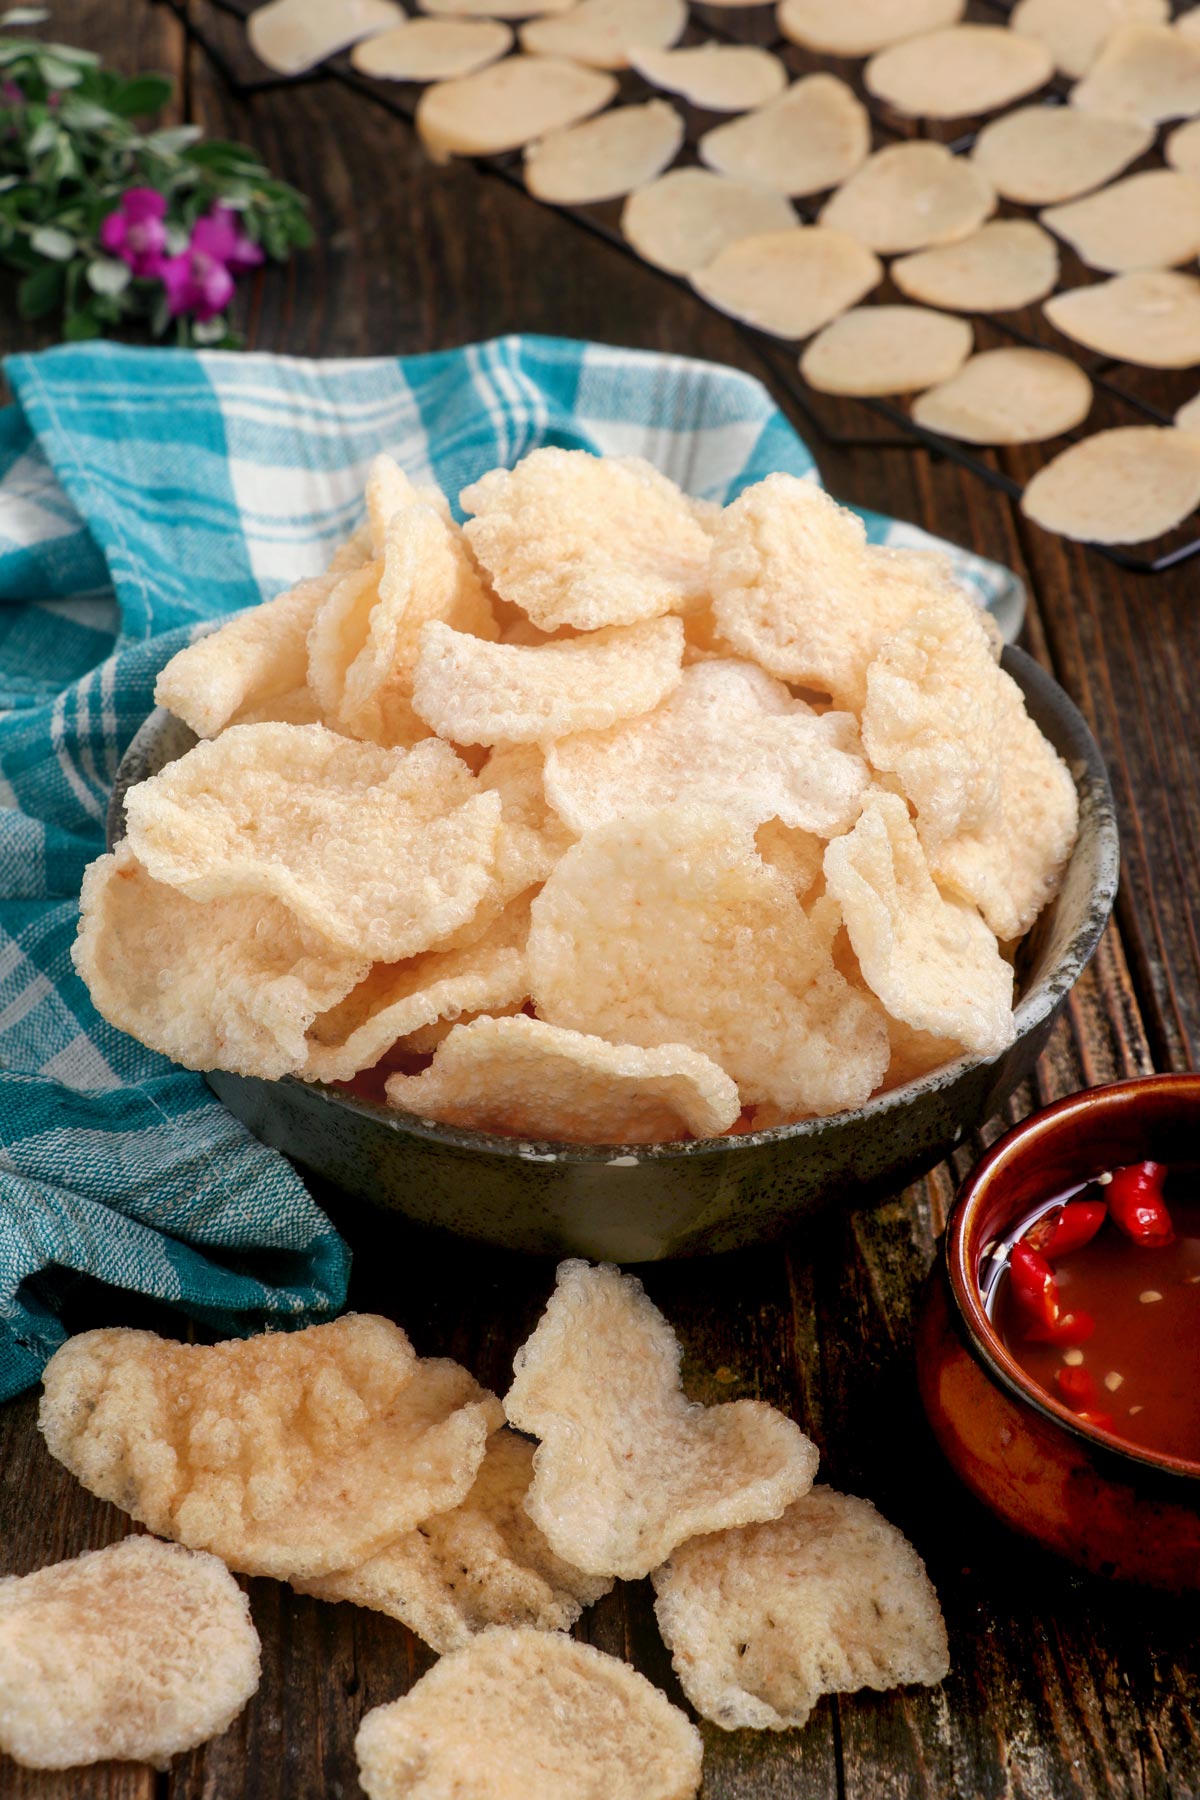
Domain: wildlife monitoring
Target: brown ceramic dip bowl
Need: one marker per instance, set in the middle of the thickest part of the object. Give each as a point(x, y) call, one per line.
point(1111, 1506)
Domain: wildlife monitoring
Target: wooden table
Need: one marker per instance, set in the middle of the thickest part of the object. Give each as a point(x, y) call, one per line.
point(1062, 1686)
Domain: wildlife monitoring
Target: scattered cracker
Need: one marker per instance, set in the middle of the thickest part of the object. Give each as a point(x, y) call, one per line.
point(606, 33)
point(1010, 396)
point(1188, 416)
point(289, 1454)
point(828, 1599)
point(1148, 72)
point(668, 928)
point(405, 841)
point(604, 158)
point(729, 736)
point(433, 49)
point(224, 984)
point(886, 350)
point(1075, 31)
point(1006, 264)
point(133, 1653)
point(717, 77)
point(499, 9)
point(509, 104)
point(529, 1713)
point(1151, 318)
point(628, 1467)
point(1042, 154)
point(581, 540)
point(1182, 148)
point(798, 590)
point(484, 1563)
point(933, 962)
point(683, 221)
point(291, 36)
point(1118, 487)
point(1148, 221)
point(789, 282)
point(835, 29)
point(909, 196)
point(958, 73)
point(811, 138)
point(523, 1078)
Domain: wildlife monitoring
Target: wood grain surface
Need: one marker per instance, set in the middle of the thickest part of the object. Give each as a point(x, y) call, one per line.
point(1062, 1686)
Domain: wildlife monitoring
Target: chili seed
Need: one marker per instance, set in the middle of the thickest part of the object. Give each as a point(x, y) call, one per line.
point(1072, 1358)
point(1113, 1381)
point(1148, 1295)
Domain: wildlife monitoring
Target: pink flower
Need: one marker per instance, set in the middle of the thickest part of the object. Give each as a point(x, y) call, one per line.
point(200, 280)
point(219, 235)
point(136, 233)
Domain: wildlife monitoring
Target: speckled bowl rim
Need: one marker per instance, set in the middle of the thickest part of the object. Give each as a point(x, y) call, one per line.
point(1031, 1011)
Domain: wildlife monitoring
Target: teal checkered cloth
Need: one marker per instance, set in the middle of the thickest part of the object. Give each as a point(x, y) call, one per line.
point(142, 493)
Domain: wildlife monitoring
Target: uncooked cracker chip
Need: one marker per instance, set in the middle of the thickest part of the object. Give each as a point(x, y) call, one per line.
point(1182, 148)
point(432, 49)
point(1075, 31)
point(230, 984)
point(1150, 220)
point(668, 928)
point(478, 693)
point(1009, 396)
point(251, 661)
point(384, 852)
point(1006, 264)
point(958, 73)
point(133, 1653)
point(828, 1599)
point(836, 29)
point(484, 1563)
point(628, 1467)
point(396, 999)
point(605, 33)
point(717, 77)
point(497, 9)
point(1119, 487)
point(581, 540)
point(797, 589)
point(509, 104)
point(789, 282)
point(729, 736)
point(1042, 154)
point(290, 1454)
point(1188, 416)
point(1011, 865)
point(291, 36)
point(910, 195)
point(811, 138)
point(604, 158)
point(886, 350)
point(1151, 318)
point(932, 961)
point(1147, 72)
point(687, 217)
point(529, 1713)
point(522, 1078)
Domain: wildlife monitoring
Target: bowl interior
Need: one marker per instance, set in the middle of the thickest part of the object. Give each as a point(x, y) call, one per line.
point(1152, 1117)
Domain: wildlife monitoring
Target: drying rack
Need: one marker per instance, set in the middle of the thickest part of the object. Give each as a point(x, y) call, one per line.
point(1124, 393)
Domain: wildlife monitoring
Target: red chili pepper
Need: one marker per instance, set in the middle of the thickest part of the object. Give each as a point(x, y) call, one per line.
point(1034, 1287)
point(1076, 1387)
point(1135, 1200)
point(1068, 1328)
point(1067, 1228)
point(1101, 1419)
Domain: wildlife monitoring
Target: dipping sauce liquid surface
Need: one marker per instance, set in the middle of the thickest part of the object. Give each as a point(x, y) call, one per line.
point(1143, 1358)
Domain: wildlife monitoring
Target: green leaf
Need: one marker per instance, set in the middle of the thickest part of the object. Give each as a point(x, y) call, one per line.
point(40, 292)
point(49, 241)
point(8, 182)
point(56, 72)
point(142, 95)
point(43, 138)
point(23, 15)
point(209, 331)
point(85, 115)
point(81, 325)
point(174, 139)
point(177, 240)
point(106, 275)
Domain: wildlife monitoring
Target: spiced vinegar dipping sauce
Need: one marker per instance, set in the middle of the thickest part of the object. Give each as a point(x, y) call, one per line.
point(1130, 1362)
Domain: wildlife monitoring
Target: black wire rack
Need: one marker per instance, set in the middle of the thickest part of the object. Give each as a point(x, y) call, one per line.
point(1125, 394)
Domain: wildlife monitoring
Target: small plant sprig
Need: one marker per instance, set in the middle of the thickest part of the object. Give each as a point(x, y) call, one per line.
point(110, 222)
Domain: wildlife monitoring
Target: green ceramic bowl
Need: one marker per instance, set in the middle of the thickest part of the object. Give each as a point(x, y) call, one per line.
point(642, 1204)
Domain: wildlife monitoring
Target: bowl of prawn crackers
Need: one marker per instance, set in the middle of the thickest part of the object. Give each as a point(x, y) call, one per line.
point(614, 873)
